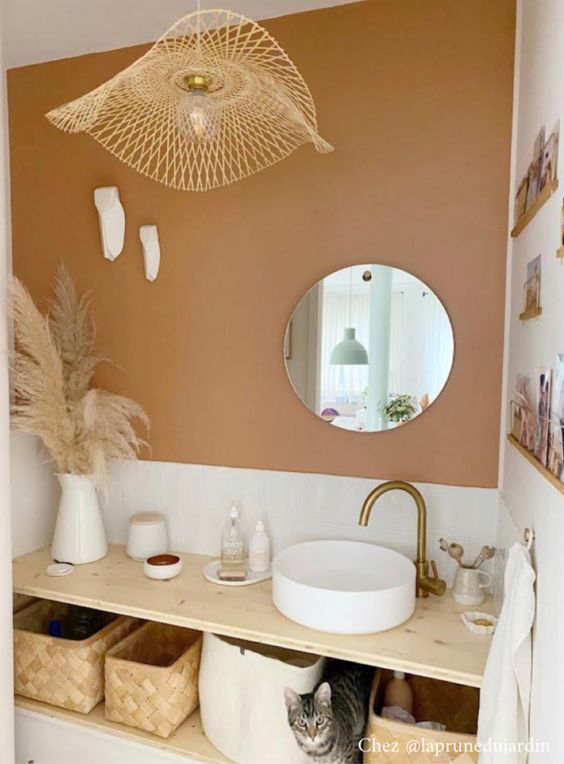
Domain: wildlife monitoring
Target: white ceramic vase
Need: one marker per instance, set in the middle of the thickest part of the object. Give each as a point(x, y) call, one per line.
point(79, 532)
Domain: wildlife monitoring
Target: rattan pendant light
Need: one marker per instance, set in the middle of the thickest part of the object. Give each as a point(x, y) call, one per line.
point(214, 100)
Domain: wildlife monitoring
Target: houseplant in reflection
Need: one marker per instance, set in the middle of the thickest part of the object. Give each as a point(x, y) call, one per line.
point(81, 426)
point(401, 408)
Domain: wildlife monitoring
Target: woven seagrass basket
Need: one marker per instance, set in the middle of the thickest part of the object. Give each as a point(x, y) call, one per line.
point(62, 672)
point(392, 742)
point(152, 678)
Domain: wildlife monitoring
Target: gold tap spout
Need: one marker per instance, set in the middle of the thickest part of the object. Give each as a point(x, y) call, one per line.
point(424, 582)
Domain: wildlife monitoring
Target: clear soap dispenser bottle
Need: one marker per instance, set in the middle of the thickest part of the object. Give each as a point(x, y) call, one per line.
point(232, 542)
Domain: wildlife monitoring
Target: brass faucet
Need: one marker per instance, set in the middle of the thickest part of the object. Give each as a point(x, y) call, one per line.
point(424, 582)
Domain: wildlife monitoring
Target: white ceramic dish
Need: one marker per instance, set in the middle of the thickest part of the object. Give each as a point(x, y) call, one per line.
point(209, 572)
point(161, 567)
point(59, 569)
point(469, 618)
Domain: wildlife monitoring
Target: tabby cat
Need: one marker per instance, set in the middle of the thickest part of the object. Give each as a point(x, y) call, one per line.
point(329, 722)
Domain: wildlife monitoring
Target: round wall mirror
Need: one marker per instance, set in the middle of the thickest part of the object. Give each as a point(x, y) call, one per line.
point(369, 348)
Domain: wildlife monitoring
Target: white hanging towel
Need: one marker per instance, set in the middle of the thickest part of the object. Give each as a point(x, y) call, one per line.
point(503, 721)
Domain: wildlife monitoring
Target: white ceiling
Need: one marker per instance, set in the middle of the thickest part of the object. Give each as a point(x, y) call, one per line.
point(44, 30)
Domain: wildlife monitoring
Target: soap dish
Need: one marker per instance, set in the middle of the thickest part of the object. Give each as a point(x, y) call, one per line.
point(209, 572)
point(469, 620)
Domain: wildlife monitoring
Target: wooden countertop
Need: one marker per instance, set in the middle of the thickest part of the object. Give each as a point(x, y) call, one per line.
point(433, 643)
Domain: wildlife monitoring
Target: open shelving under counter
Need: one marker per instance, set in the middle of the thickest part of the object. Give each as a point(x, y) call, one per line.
point(432, 643)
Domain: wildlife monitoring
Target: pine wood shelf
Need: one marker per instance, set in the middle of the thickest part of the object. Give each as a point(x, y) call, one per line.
point(188, 740)
point(526, 315)
point(560, 253)
point(433, 643)
point(558, 484)
point(543, 197)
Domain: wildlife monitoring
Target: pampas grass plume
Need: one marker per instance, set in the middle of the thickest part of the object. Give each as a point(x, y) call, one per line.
point(53, 365)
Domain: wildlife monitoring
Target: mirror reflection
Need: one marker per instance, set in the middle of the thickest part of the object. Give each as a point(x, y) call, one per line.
point(369, 348)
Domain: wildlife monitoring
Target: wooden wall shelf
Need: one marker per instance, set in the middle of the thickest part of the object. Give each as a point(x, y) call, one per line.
point(543, 197)
point(558, 484)
point(560, 253)
point(188, 740)
point(433, 643)
point(526, 315)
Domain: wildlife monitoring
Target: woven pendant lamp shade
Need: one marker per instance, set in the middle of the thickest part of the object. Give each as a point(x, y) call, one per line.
point(215, 100)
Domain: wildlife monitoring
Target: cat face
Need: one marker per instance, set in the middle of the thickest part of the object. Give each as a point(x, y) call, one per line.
point(310, 717)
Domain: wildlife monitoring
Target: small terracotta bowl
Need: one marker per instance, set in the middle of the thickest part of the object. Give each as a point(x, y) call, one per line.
point(161, 567)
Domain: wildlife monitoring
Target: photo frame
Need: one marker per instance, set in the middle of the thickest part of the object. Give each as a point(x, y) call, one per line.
point(533, 180)
point(531, 291)
point(556, 433)
point(549, 161)
point(539, 142)
point(543, 415)
point(520, 405)
point(555, 451)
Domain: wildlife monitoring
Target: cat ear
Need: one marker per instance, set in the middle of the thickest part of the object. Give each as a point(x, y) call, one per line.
point(293, 700)
point(323, 694)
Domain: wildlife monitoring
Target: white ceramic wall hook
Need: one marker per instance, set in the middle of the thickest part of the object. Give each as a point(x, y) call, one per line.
point(149, 236)
point(528, 537)
point(112, 220)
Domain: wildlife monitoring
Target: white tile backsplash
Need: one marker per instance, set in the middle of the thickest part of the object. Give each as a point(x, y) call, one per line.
point(295, 507)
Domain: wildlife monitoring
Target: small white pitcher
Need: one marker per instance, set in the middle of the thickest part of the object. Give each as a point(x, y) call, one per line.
point(469, 585)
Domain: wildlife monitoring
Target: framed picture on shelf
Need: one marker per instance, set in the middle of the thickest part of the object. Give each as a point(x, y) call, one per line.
point(543, 415)
point(533, 180)
point(549, 159)
point(532, 306)
point(556, 432)
point(523, 425)
point(555, 451)
point(539, 142)
point(520, 404)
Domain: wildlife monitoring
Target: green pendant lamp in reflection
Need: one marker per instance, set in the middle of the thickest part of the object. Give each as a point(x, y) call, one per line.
point(349, 351)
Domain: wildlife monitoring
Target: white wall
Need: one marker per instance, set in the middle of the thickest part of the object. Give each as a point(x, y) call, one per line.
point(6, 687)
point(34, 494)
point(295, 506)
point(529, 499)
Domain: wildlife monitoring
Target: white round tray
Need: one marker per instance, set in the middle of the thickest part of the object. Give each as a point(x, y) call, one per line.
point(209, 572)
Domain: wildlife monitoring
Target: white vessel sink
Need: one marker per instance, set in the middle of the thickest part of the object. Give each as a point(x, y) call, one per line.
point(343, 587)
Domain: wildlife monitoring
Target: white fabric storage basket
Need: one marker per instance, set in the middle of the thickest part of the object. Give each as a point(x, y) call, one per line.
point(242, 698)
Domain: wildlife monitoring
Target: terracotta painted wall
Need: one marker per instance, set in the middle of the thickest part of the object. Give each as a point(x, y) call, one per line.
point(416, 97)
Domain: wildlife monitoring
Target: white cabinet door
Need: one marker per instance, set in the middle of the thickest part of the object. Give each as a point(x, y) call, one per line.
point(40, 740)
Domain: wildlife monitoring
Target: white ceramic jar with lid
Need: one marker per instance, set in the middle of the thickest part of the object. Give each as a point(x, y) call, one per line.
point(147, 535)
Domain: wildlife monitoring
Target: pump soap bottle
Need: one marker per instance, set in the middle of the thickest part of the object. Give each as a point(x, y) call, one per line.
point(232, 549)
point(259, 550)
